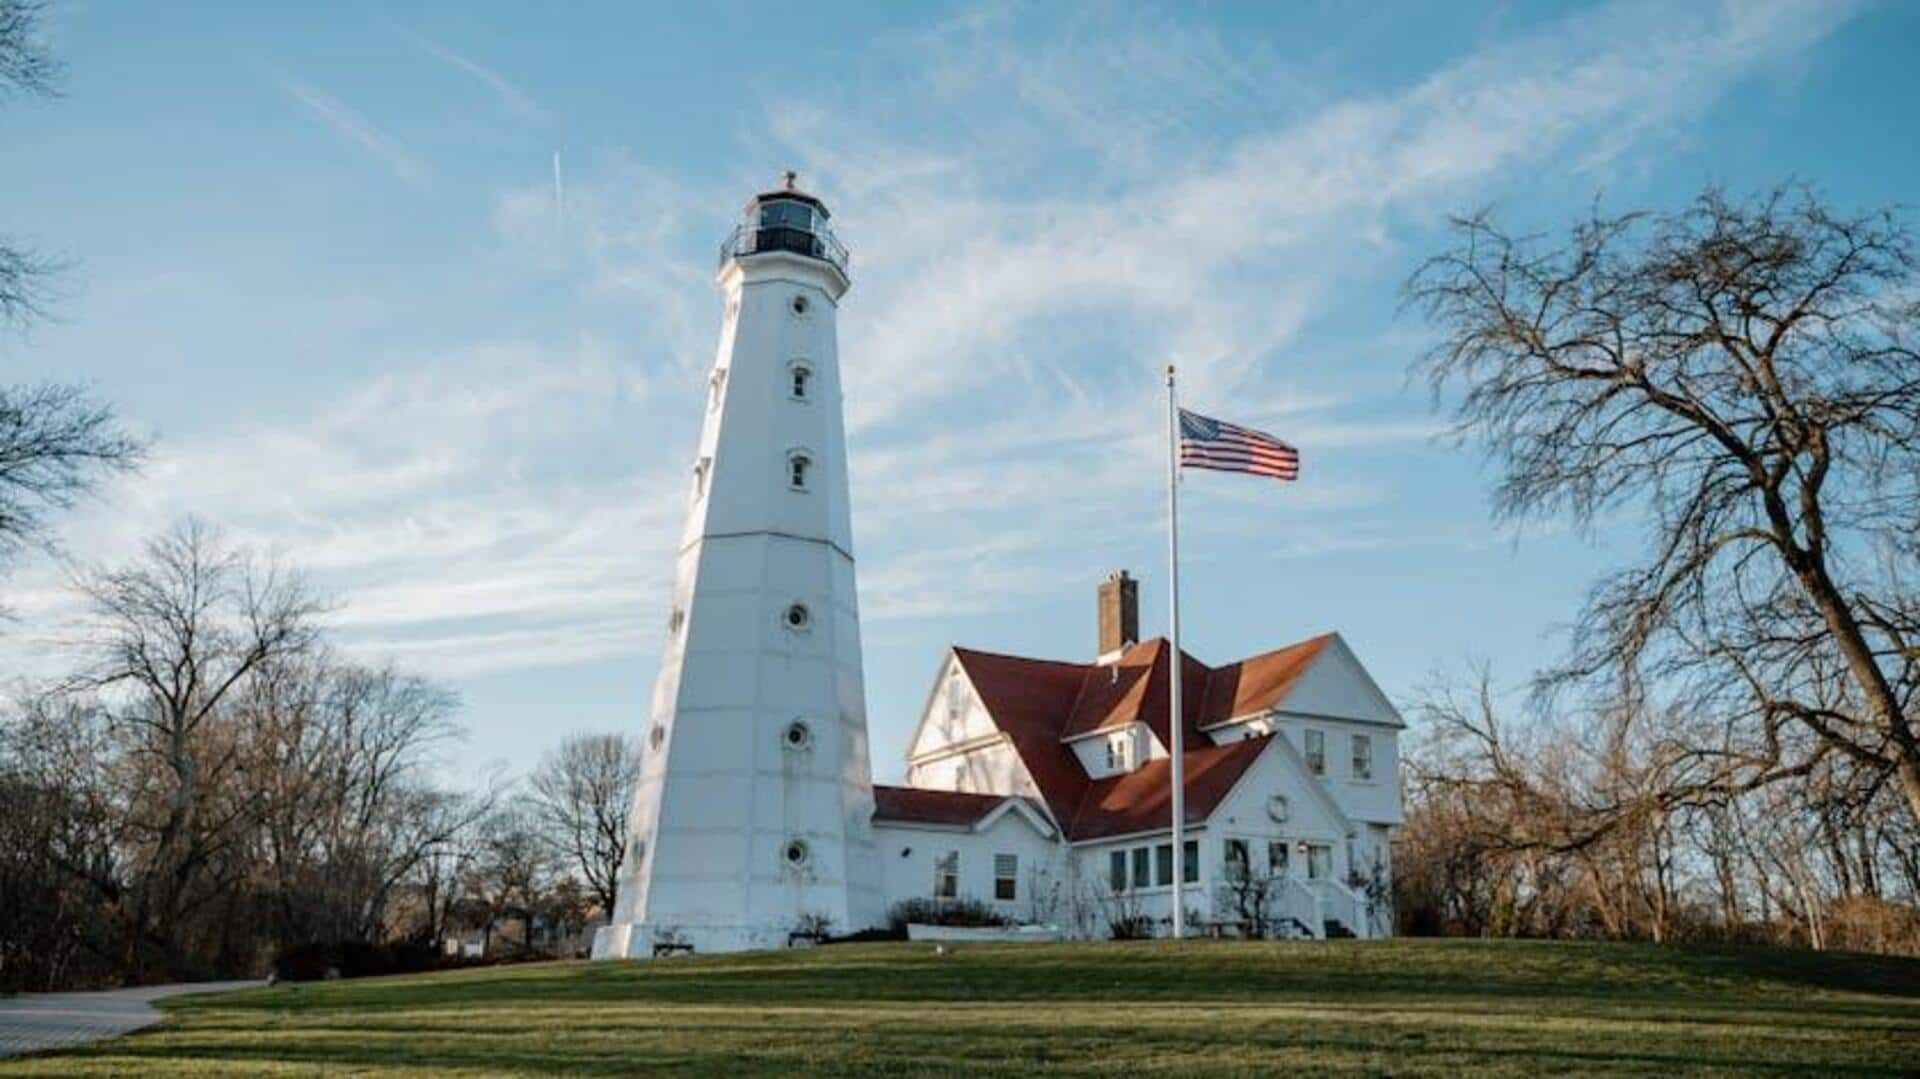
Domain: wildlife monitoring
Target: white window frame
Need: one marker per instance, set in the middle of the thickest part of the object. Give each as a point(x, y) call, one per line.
point(946, 875)
point(1006, 877)
point(1314, 749)
point(1362, 756)
point(1324, 851)
point(1227, 863)
point(799, 469)
point(800, 376)
point(1120, 752)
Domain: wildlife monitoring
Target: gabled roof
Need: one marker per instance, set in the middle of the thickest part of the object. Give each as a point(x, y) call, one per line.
point(921, 806)
point(1030, 700)
point(1258, 683)
point(1139, 801)
point(1040, 705)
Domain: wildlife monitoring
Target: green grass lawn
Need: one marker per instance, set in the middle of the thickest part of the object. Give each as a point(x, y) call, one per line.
point(1222, 1008)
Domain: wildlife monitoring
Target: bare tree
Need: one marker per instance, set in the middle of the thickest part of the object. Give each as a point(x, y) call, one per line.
point(55, 444)
point(25, 68)
point(512, 872)
point(176, 634)
point(1743, 375)
point(582, 793)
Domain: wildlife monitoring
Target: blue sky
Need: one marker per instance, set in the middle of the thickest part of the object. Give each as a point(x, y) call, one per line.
point(316, 252)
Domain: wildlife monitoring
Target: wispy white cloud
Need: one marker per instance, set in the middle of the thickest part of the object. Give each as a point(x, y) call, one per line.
point(517, 101)
point(355, 128)
point(515, 504)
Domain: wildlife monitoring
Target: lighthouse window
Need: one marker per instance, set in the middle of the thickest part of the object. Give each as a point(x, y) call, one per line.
point(786, 215)
point(797, 735)
point(796, 853)
point(802, 377)
point(716, 383)
point(798, 465)
point(797, 616)
point(798, 305)
point(700, 477)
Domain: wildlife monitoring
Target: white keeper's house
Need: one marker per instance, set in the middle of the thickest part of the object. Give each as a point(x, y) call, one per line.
point(1042, 787)
point(1039, 788)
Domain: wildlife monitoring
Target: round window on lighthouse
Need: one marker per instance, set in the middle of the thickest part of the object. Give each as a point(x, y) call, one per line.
point(795, 853)
point(799, 305)
point(797, 736)
point(796, 617)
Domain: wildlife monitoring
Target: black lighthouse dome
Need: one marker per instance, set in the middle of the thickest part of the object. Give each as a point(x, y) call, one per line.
point(786, 219)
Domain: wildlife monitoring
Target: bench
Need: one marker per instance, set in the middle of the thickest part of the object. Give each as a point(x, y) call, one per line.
point(670, 947)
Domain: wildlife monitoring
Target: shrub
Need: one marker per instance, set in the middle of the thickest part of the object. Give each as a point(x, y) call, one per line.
point(1130, 927)
point(315, 961)
point(964, 911)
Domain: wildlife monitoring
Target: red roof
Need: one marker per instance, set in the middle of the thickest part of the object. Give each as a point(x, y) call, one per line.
point(923, 806)
point(1041, 704)
point(1140, 800)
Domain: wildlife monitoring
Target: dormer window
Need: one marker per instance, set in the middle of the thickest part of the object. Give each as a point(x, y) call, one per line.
point(800, 380)
point(1120, 752)
point(799, 468)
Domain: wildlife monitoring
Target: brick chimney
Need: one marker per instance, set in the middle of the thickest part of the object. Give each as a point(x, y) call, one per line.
point(1119, 615)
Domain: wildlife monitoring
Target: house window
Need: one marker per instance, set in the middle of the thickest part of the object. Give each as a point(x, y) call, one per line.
point(1277, 858)
point(1319, 861)
point(1117, 871)
point(801, 380)
point(1317, 752)
point(1142, 867)
point(1119, 752)
point(1163, 865)
point(798, 465)
point(1190, 864)
point(1237, 862)
point(946, 875)
point(1006, 876)
point(1362, 756)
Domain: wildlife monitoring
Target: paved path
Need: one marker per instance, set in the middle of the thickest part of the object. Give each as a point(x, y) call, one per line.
point(39, 1021)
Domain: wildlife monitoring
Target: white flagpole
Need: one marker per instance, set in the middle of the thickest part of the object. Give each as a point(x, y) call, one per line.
point(1176, 749)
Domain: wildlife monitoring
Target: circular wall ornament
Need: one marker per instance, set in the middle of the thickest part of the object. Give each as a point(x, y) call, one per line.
point(1277, 808)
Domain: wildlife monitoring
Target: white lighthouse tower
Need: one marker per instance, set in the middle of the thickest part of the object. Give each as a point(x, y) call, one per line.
point(754, 810)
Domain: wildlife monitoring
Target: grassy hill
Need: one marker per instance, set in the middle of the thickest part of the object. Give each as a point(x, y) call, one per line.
point(1404, 1007)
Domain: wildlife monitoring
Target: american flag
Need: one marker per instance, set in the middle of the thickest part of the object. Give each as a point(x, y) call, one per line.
point(1226, 447)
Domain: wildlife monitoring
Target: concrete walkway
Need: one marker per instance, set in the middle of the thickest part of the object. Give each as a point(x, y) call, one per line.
point(37, 1022)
